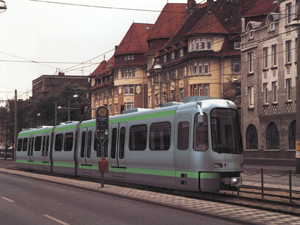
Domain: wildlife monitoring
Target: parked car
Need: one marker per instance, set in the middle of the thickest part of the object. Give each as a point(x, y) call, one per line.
point(2, 153)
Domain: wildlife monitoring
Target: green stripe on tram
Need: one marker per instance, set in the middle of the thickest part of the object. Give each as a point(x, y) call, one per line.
point(143, 116)
point(63, 128)
point(26, 133)
point(34, 162)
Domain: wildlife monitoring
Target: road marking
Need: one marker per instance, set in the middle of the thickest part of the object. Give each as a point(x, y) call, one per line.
point(7, 199)
point(56, 220)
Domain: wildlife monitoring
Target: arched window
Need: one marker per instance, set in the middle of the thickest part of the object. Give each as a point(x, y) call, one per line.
point(251, 137)
point(272, 137)
point(292, 135)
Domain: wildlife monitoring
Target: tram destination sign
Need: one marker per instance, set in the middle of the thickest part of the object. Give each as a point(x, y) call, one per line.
point(102, 122)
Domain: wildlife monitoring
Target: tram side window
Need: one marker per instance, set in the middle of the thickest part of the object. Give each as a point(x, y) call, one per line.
point(68, 142)
point(138, 137)
point(122, 143)
point(160, 135)
point(20, 144)
point(45, 147)
point(30, 147)
point(82, 144)
point(25, 144)
point(58, 142)
point(89, 145)
point(113, 143)
point(38, 143)
point(200, 133)
point(183, 135)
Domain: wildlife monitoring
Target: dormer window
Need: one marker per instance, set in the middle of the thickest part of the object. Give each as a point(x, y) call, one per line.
point(128, 57)
point(251, 34)
point(165, 58)
point(200, 44)
point(272, 26)
point(181, 53)
point(173, 55)
point(237, 45)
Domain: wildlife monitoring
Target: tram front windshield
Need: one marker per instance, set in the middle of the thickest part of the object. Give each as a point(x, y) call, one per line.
point(225, 131)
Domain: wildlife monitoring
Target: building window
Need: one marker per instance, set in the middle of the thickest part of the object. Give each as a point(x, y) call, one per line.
point(173, 55)
point(251, 137)
point(236, 67)
point(266, 95)
point(157, 99)
point(289, 89)
point(274, 55)
point(288, 13)
point(165, 58)
point(200, 44)
point(237, 45)
point(181, 53)
point(251, 96)
point(292, 135)
point(128, 57)
point(272, 137)
point(128, 90)
point(250, 62)
point(181, 94)
point(274, 90)
point(288, 52)
point(116, 108)
point(265, 52)
point(128, 105)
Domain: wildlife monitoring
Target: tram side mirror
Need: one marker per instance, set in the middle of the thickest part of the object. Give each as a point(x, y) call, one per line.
point(200, 119)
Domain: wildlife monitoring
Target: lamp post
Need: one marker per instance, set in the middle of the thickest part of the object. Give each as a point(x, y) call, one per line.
point(3, 6)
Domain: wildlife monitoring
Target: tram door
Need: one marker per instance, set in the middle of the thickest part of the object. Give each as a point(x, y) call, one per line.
point(85, 151)
point(30, 152)
point(183, 136)
point(117, 153)
point(45, 151)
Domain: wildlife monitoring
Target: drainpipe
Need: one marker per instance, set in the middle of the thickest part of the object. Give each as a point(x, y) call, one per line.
point(222, 77)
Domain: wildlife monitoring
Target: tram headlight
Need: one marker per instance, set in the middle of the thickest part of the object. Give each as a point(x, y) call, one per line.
point(236, 181)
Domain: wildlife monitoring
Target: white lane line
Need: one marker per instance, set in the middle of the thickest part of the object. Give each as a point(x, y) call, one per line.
point(7, 199)
point(56, 220)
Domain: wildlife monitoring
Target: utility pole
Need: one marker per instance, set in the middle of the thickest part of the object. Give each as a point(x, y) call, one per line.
point(298, 95)
point(16, 125)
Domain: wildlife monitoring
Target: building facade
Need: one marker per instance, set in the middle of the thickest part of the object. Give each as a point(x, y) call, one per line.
point(46, 84)
point(269, 74)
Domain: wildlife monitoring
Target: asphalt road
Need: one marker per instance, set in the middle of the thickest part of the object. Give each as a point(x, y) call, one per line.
point(30, 201)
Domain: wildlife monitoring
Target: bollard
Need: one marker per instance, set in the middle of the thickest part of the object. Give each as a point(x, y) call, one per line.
point(290, 184)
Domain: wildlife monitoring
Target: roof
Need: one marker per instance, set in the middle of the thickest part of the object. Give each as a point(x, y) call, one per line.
point(208, 24)
point(260, 7)
point(135, 40)
point(172, 15)
point(104, 68)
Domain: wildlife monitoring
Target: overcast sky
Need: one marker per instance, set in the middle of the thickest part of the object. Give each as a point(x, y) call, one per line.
point(41, 37)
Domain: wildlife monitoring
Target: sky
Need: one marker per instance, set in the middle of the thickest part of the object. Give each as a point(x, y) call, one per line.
point(42, 37)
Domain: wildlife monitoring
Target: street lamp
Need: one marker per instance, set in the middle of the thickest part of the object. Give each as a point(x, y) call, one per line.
point(2, 6)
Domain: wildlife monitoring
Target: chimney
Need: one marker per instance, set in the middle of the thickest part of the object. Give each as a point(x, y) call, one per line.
point(191, 6)
point(61, 74)
point(116, 46)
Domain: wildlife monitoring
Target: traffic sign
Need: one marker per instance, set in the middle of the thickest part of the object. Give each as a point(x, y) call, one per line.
point(102, 122)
